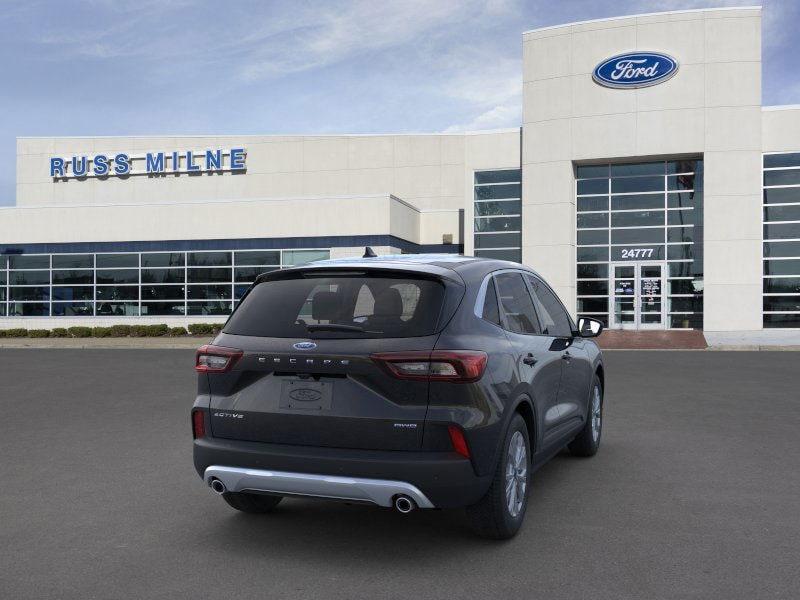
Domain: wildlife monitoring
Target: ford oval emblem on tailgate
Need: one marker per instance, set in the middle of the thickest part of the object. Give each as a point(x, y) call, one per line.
point(304, 346)
point(305, 395)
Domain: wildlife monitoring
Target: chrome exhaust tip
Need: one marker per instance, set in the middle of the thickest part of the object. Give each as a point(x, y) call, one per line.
point(404, 504)
point(218, 487)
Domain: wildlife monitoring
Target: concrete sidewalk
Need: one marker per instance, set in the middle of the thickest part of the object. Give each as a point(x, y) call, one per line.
point(108, 343)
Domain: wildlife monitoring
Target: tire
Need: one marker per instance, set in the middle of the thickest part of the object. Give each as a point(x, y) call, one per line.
point(587, 441)
point(252, 503)
point(492, 517)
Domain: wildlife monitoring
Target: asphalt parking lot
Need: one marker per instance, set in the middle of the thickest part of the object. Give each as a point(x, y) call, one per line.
point(695, 494)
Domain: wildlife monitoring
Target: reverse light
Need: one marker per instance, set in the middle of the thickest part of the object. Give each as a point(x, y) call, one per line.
point(457, 366)
point(198, 424)
point(216, 359)
point(458, 440)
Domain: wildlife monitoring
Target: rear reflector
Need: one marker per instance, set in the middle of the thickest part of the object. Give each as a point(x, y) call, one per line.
point(198, 424)
point(457, 366)
point(216, 359)
point(458, 440)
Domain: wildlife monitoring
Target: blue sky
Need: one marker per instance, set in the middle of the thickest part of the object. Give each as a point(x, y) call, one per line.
point(104, 67)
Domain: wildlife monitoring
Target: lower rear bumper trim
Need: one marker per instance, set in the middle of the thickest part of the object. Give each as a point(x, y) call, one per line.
point(377, 491)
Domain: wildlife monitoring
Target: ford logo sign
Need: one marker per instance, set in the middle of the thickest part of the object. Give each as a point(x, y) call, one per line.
point(304, 346)
point(635, 70)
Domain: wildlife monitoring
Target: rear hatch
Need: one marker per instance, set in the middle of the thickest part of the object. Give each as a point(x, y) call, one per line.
point(305, 376)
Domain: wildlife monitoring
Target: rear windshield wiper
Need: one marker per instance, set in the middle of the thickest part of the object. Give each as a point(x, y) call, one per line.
point(337, 327)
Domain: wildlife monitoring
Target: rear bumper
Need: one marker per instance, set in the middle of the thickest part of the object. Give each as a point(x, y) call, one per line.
point(442, 479)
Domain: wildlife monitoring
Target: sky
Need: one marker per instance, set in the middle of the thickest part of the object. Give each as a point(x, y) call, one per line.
point(171, 67)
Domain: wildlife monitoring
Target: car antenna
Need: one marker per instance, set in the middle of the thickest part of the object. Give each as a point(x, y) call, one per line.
point(369, 253)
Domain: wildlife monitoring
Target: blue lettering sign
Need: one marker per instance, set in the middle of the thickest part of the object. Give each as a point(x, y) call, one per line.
point(213, 160)
point(122, 166)
point(100, 163)
point(237, 159)
point(56, 167)
point(190, 166)
point(176, 162)
point(635, 70)
point(79, 166)
point(154, 163)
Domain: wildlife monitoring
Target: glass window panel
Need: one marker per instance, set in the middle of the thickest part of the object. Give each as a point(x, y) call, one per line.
point(209, 308)
point(788, 177)
point(647, 168)
point(163, 276)
point(637, 236)
point(3, 262)
point(684, 199)
point(638, 252)
point(301, 257)
point(782, 213)
point(498, 176)
point(494, 192)
point(624, 272)
point(637, 219)
point(73, 277)
point(684, 166)
point(117, 309)
point(29, 277)
point(28, 309)
point(782, 249)
point(29, 293)
point(782, 195)
point(694, 304)
point(637, 184)
point(163, 259)
point(593, 288)
point(28, 261)
point(592, 236)
point(592, 304)
point(71, 292)
point(593, 220)
point(789, 159)
point(209, 259)
point(782, 267)
point(680, 234)
point(117, 292)
point(694, 321)
point(592, 271)
point(637, 201)
point(592, 186)
point(162, 292)
point(2, 294)
point(598, 203)
point(512, 254)
point(73, 309)
point(589, 254)
point(782, 231)
point(553, 318)
point(162, 308)
point(782, 303)
point(209, 275)
point(249, 274)
point(782, 285)
point(679, 252)
point(114, 261)
point(681, 269)
point(118, 276)
point(3, 309)
point(498, 224)
point(685, 286)
point(681, 217)
point(239, 290)
point(209, 292)
point(516, 304)
point(775, 321)
point(483, 209)
point(2, 277)
point(73, 261)
point(497, 240)
point(680, 182)
point(257, 257)
point(586, 171)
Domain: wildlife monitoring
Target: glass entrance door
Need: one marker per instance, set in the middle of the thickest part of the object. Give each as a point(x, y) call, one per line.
point(637, 295)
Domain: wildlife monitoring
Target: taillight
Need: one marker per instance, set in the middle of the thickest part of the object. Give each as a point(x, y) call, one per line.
point(458, 440)
point(216, 359)
point(458, 366)
point(198, 424)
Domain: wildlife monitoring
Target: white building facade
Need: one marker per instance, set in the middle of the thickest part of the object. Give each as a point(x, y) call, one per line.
point(647, 183)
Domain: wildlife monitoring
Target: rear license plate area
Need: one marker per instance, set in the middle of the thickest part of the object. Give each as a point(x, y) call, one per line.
point(299, 394)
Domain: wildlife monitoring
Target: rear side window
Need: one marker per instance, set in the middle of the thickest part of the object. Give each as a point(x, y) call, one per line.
point(555, 320)
point(491, 310)
point(347, 306)
point(516, 306)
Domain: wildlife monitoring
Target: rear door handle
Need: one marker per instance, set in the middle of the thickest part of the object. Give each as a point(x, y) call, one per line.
point(529, 360)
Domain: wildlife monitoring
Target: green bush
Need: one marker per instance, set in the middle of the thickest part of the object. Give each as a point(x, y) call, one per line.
point(16, 332)
point(101, 332)
point(138, 330)
point(38, 333)
point(120, 330)
point(201, 328)
point(59, 332)
point(157, 330)
point(80, 332)
point(217, 327)
point(177, 331)
point(2, 333)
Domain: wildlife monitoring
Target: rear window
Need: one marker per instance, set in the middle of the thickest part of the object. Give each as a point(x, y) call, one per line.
point(347, 306)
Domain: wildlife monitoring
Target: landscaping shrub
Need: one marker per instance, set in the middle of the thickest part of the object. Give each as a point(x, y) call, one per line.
point(39, 333)
point(16, 332)
point(138, 330)
point(177, 331)
point(156, 330)
point(80, 332)
point(201, 328)
point(217, 327)
point(101, 332)
point(2, 333)
point(120, 330)
point(59, 332)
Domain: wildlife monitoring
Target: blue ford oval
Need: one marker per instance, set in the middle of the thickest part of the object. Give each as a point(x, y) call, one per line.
point(635, 70)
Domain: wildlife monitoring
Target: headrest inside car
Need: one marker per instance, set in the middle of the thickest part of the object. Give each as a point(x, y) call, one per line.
point(325, 306)
point(388, 303)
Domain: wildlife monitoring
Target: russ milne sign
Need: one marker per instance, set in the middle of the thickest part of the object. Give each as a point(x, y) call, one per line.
point(150, 163)
point(635, 70)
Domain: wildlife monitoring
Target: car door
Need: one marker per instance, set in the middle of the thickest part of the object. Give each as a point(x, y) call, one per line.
point(576, 374)
point(538, 367)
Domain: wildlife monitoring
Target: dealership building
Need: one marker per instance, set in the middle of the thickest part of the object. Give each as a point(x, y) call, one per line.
point(646, 183)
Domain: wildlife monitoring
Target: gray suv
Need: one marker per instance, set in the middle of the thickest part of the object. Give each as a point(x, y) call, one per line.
point(413, 381)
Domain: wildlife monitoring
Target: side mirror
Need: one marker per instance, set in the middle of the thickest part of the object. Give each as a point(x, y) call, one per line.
point(589, 328)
